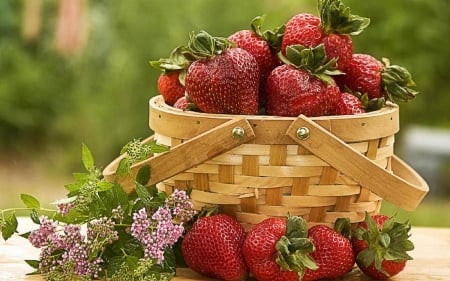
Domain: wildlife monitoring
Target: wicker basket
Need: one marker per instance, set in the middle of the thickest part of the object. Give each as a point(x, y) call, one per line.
point(261, 166)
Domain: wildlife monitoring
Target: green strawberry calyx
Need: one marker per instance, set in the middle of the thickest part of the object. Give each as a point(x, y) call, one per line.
point(336, 18)
point(396, 82)
point(295, 246)
point(175, 62)
point(274, 36)
point(367, 103)
point(202, 45)
point(390, 243)
point(313, 60)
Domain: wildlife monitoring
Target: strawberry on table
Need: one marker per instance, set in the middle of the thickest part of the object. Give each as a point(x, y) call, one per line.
point(379, 80)
point(333, 253)
point(333, 29)
point(381, 245)
point(212, 247)
point(302, 85)
point(263, 45)
point(221, 78)
point(277, 249)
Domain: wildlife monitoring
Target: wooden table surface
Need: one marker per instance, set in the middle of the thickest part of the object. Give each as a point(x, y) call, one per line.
point(431, 259)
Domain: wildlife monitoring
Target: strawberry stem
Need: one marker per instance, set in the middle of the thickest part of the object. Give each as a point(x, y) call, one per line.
point(274, 37)
point(396, 82)
point(202, 45)
point(295, 246)
point(313, 60)
point(336, 18)
point(391, 242)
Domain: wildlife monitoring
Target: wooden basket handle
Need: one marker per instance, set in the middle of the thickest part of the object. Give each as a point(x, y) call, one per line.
point(188, 154)
point(402, 187)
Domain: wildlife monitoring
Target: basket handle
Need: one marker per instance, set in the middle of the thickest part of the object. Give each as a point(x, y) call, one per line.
point(186, 155)
point(402, 187)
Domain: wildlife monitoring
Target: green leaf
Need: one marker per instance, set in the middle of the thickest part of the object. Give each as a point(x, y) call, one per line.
point(9, 227)
point(30, 201)
point(143, 175)
point(25, 235)
point(33, 263)
point(169, 263)
point(35, 216)
point(86, 157)
point(132, 262)
point(104, 186)
point(124, 167)
point(115, 197)
point(114, 264)
point(157, 148)
point(144, 195)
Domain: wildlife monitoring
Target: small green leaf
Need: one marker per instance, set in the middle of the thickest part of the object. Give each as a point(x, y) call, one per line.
point(86, 157)
point(25, 235)
point(132, 262)
point(35, 216)
point(30, 201)
point(157, 148)
point(169, 263)
point(104, 186)
point(143, 175)
point(144, 195)
point(33, 263)
point(124, 167)
point(9, 227)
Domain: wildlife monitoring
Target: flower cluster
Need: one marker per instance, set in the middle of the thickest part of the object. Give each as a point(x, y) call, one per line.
point(102, 232)
point(159, 231)
point(64, 245)
point(182, 208)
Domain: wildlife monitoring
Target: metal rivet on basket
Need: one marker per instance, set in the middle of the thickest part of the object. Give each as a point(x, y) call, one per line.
point(302, 133)
point(238, 132)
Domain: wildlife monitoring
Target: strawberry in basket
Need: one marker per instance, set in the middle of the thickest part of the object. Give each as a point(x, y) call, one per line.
point(333, 29)
point(171, 79)
point(221, 78)
point(263, 45)
point(379, 80)
point(303, 84)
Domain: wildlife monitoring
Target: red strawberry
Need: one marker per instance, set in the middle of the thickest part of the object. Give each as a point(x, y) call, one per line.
point(212, 247)
point(263, 45)
point(171, 80)
point(169, 87)
point(276, 249)
point(222, 79)
point(332, 29)
point(302, 86)
point(333, 254)
point(349, 104)
point(366, 74)
point(380, 245)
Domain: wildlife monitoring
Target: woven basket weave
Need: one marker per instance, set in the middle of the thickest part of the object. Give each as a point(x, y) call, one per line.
point(262, 166)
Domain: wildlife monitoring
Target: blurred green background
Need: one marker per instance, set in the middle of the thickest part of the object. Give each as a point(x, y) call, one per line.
point(56, 93)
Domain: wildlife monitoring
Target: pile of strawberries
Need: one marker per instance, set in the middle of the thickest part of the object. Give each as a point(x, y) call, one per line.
point(283, 249)
point(305, 66)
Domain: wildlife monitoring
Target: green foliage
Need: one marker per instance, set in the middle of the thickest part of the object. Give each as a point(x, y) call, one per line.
point(108, 213)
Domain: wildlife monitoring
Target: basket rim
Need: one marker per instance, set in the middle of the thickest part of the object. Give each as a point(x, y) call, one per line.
point(175, 123)
point(157, 102)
